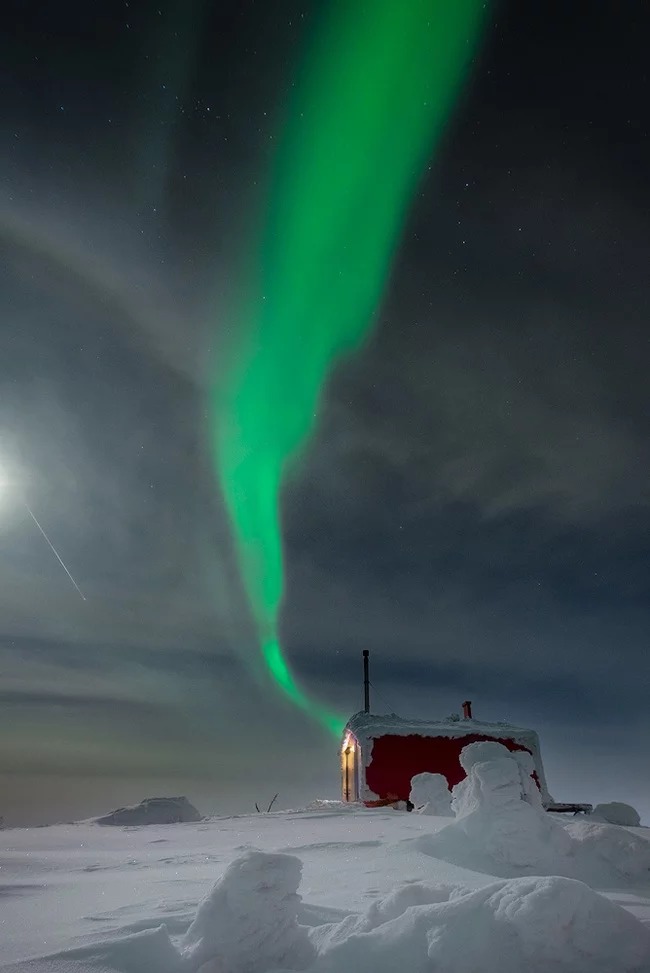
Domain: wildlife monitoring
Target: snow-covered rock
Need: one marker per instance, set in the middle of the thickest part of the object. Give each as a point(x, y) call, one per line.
point(153, 810)
point(248, 923)
point(617, 813)
point(430, 794)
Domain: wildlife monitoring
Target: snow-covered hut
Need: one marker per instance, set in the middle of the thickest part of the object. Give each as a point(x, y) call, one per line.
point(381, 754)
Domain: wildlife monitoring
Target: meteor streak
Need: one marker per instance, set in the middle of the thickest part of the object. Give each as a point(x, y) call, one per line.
point(53, 548)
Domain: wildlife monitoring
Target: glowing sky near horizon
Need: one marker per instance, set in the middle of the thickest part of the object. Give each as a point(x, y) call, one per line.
point(368, 110)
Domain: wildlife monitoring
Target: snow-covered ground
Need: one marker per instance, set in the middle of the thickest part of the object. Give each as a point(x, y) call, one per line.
point(85, 885)
point(379, 890)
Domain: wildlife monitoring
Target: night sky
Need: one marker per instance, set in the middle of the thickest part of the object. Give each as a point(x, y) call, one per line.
point(474, 506)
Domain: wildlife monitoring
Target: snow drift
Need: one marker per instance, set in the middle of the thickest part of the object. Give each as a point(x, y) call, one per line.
point(252, 920)
point(616, 848)
point(249, 923)
point(532, 924)
point(617, 813)
point(153, 810)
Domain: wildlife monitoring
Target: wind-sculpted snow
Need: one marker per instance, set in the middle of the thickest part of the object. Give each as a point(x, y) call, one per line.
point(617, 813)
point(501, 828)
point(502, 888)
point(248, 923)
point(153, 810)
point(430, 795)
point(534, 924)
point(498, 809)
point(622, 851)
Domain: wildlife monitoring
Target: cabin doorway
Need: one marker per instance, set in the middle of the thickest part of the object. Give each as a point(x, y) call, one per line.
point(350, 762)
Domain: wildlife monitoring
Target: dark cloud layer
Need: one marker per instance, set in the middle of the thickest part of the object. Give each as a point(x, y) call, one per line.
point(474, 504)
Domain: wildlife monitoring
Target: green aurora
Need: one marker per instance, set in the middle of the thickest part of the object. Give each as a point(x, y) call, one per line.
point(375, 91)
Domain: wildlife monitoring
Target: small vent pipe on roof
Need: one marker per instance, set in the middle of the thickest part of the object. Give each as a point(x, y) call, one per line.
point(467, 709)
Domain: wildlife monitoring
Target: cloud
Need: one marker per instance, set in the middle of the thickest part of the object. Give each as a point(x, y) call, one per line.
point(93, 259)
point(505, 423)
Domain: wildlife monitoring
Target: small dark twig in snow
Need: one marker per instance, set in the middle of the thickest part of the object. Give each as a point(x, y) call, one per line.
point(257, 807)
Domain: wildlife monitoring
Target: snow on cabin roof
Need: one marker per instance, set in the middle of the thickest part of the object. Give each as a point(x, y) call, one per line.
point(368, 726)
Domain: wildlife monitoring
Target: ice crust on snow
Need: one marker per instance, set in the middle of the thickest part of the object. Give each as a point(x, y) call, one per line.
point(153, 810)
point(616, 813)
point(430, 794)
point(249, 921)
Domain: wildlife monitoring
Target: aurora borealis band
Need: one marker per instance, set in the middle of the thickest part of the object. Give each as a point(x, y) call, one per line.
point(369, 107)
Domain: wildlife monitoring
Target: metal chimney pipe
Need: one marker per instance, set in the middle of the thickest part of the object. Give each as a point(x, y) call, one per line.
point(467, 709)
point(366, 682)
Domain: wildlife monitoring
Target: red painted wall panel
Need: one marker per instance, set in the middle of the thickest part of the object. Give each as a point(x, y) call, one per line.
point(397, 759)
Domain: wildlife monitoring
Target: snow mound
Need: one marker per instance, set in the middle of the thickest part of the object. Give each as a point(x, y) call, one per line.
point(248, 923)
point(532, 924)
point(616, 813)
point(498, 809)
point(153, 810)
point(626, 853)
point(430, 794)
point(383, 910)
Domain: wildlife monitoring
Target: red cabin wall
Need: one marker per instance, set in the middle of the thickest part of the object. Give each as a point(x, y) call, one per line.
point(397, 759)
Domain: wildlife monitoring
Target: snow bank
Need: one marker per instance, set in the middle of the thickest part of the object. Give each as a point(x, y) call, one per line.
point(249, 921)
point(430, 794)
point(616, 813)
point(153, 810)
point(532, 924)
